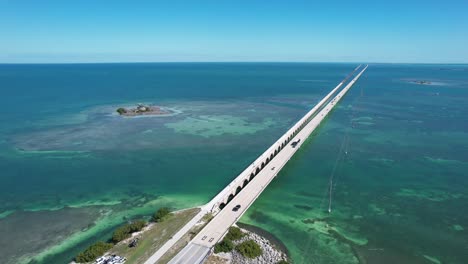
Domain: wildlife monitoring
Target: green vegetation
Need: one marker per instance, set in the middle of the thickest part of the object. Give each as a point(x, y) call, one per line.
point(207, 218)
point(234, 234)
point(224, 246)
point(161, 214)
point(153, 238)
point(121, 111)
point(125, 231)
point(94, 251)
point(137, 225)
point(249, 249)
point(282, 262)
point(120, 234)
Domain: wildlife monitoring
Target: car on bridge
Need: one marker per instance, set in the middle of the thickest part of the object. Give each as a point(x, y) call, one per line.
point(236, 208)
point(294, 144)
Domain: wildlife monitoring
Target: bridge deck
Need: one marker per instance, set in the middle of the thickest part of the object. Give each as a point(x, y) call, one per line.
point(215, 230)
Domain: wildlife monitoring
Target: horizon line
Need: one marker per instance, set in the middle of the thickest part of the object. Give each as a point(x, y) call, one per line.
point(233, 62)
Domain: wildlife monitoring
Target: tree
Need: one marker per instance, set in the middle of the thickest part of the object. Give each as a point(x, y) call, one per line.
point(92, 252)
point(121, 233)
point(161, 214)
point(234, 233)
point(249, 249)
point(282, 262)
point(137, 225)
point(124, 231)
point(121, 111)
point(224, 246)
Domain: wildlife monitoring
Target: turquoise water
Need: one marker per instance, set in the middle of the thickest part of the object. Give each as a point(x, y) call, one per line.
point(72, 170)
point(398, 153)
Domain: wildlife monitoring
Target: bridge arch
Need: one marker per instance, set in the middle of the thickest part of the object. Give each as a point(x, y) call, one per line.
point(238, 189)
point(245, 182)
point(257, 170)
point(231, 196)
point(263, 165)
point(271, 156)
point(252, 175)
point(222, 205)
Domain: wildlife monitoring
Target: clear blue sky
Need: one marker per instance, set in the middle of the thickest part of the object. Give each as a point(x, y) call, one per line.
point(237, 30)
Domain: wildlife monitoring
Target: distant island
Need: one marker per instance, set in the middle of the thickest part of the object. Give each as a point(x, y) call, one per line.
point(422, 82)
point(142, 110)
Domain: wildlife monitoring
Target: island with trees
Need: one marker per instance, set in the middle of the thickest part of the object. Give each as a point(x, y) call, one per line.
point(142, 109)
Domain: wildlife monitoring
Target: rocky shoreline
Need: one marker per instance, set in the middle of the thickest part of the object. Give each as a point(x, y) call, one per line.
point(271, 252)
point(269, 236)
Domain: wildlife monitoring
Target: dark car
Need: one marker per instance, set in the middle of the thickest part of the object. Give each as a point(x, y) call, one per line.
point(295, 143)
point(236, 208)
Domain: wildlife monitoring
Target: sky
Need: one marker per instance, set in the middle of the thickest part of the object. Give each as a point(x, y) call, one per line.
point(409, 31)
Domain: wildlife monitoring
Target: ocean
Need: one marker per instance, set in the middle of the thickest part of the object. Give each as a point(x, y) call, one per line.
point(72, 169)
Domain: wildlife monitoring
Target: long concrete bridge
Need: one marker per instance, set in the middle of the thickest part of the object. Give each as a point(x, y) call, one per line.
point(250, 183)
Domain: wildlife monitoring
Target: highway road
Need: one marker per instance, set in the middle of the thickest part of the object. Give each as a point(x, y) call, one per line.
point(213, 205)
point(199, 247)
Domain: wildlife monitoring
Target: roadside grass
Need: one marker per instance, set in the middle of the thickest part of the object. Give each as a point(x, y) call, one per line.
point(185, 239)
point(152, 239)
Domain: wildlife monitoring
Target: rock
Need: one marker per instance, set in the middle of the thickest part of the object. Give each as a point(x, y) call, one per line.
point(270, 253)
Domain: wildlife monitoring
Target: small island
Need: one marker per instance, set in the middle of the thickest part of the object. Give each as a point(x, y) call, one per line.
point(422, 82)
point(142, 110)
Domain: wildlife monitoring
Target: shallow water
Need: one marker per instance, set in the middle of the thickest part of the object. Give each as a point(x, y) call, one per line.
point(399, 192)
point(398, 155)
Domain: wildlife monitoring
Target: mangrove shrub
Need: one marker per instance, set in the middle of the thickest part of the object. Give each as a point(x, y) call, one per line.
point(125, 231)
point(161, 214)
point(92, 252)
point(249, 249)
point(224, 246)
point(234, 233)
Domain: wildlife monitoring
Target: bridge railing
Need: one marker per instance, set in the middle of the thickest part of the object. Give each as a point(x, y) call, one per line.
point(245, 174)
